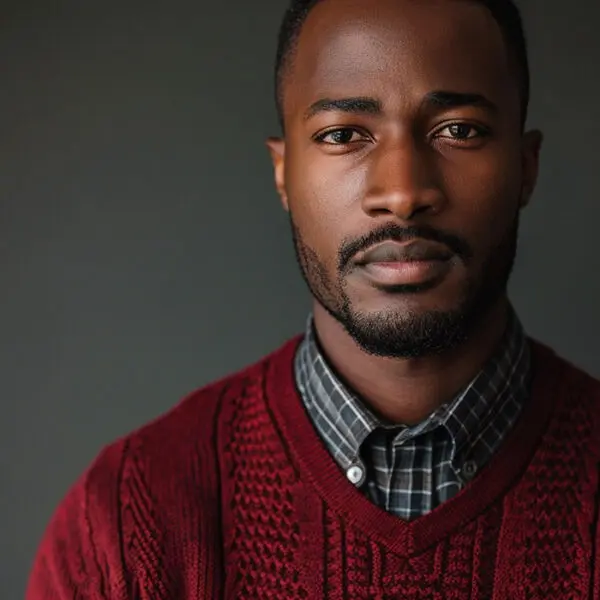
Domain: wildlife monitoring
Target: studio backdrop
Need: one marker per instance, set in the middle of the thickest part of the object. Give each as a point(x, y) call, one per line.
point(143, 250)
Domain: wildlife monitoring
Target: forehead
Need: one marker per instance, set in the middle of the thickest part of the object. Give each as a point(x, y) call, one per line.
point(399, 50)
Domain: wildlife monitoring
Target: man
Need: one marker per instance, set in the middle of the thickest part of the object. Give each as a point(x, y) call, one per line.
point(414, 443)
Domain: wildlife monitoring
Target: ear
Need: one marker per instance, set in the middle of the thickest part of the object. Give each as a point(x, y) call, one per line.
point(276, 148)
point(531, 147)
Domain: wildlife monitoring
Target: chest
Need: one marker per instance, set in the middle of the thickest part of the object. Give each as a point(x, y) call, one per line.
point(302, 549)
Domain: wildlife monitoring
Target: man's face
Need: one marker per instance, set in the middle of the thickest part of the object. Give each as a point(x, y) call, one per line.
point(404, 168)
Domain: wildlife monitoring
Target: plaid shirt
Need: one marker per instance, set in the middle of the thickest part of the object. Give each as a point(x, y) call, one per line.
point(409, 471)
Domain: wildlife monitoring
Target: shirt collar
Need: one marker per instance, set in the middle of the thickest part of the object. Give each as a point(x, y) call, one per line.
point(483, 403)
point(346, 421)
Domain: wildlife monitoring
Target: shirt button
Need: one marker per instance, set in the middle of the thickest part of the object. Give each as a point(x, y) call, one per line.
point(355, 474)
point(469, 470)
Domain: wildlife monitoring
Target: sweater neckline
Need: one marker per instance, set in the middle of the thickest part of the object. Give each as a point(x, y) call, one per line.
point(318, 468)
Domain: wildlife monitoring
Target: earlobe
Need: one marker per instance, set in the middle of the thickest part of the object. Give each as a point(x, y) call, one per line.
point(532, 145)
point(276, 148)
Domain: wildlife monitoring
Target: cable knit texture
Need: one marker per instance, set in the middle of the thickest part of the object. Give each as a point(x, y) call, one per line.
point(233, 495)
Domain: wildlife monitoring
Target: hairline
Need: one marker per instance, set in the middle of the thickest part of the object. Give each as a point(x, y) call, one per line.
point(285, 59)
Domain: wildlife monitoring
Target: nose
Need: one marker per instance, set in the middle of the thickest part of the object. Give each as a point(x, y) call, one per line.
point(402, 182)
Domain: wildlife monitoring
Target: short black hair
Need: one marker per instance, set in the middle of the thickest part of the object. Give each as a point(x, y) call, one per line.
point(505, 12)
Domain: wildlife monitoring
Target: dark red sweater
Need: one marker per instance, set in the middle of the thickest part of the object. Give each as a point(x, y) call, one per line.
point(232, 495)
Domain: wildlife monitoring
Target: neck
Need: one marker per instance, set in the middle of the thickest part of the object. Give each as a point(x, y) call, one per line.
point(408, 390)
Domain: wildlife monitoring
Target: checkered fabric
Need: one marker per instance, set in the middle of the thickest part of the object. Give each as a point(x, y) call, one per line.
point(409, 471)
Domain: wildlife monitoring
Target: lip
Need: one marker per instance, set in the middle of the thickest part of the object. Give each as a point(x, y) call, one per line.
point(411, 263)
point(416, 272)
point(415, 250)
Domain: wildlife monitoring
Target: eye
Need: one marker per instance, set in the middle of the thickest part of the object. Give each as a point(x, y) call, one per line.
point(461, 132)
point(341, 136)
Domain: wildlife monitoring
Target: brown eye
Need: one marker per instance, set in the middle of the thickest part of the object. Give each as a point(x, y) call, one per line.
point(461, 131)
point(340, 137)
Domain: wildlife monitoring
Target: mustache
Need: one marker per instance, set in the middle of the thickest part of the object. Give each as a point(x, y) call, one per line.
point(397, 233)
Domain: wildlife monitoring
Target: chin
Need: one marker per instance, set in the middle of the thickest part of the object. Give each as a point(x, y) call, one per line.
point(407, 334)
point(407, 325)
point(401, 305)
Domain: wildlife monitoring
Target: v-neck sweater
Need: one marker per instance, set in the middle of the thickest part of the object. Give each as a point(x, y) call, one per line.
point(232, 494)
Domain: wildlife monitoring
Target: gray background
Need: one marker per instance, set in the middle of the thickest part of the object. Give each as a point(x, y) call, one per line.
point(143, 251)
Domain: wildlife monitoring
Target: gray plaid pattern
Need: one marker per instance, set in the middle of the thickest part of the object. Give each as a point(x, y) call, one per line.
point(409, 471)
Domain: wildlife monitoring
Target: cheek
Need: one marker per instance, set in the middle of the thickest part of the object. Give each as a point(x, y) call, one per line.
point(485, 200)
point(323, 198)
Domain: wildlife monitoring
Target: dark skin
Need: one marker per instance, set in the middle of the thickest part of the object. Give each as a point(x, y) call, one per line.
point(401, 156)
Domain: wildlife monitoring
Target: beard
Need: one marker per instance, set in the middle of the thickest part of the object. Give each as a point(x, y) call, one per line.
point(402, 333)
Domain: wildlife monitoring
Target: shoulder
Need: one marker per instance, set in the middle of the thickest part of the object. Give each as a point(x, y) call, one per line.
point(134, 493)
point(575, 397)
point(573, 381)
point(181, 443)
point(193, 421)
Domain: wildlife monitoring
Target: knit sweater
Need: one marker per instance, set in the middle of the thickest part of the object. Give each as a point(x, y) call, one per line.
point(232, 494)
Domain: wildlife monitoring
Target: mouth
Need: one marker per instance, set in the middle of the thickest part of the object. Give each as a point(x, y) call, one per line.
point(414, 263)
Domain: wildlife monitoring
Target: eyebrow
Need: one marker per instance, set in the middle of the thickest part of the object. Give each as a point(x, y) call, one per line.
point(357, 105)
point(372, 106)
point(444, 99)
